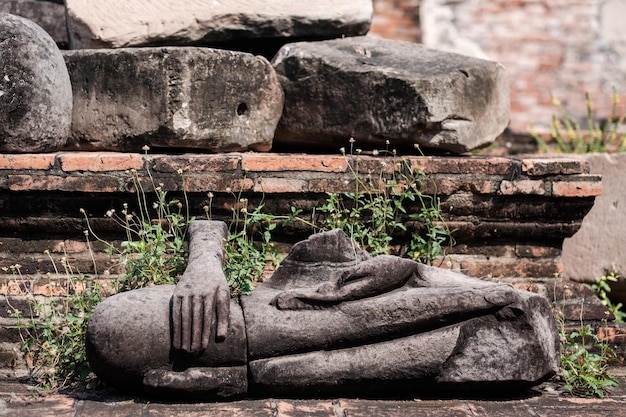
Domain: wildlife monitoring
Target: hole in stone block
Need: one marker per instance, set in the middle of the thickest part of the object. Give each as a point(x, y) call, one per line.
point(242, 109)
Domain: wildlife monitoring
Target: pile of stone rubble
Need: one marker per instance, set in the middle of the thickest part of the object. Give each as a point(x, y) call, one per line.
point(174, 76)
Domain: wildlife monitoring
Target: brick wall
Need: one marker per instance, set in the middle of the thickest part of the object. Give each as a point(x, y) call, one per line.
point(564, 47)
point(510, 216)
point(397, 19)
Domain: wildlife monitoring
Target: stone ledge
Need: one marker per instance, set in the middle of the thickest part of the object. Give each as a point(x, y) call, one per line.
point(107, 172)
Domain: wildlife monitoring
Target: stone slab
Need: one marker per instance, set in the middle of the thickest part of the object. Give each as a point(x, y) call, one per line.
point(186, 98)
point(18, 402)
point(388, 94)
point(123, 23)
point(598, 246)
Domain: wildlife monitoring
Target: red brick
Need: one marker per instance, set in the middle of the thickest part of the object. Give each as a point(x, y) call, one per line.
point(280, 185)
point(534, 187)
point(69, 246)
point(99, 162)
point(501, 268)
point(451, 184)
point(577, 189)
point(14, 287)
point(213, 183)
point(26, 161)
point(463, 165)
point(195, 163)
point(54, 182)
point(529, 251)
point(612, 335)
point(254, 162)
point(331, 185)
point(375, 166)
point(553, 166)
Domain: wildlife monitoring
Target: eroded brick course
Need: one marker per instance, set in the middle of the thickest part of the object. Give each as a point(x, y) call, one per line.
point(99, 162)
point(26, 161)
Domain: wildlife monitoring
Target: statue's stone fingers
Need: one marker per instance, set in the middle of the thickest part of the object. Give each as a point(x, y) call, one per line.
point(186, 317)
point(223, 314)
point(210, 319)
point(197, 322)
point(176, 322)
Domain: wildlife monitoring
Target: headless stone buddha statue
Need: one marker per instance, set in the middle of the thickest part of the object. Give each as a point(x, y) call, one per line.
point(332, 320)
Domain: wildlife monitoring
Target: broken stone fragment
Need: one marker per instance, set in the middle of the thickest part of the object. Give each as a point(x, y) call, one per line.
point(377, 90)
point(185, 98)
point(123, 23)
point(50, 16)
point(35, 89)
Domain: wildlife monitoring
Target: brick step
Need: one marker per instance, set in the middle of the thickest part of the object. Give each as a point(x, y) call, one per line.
point(509, 216)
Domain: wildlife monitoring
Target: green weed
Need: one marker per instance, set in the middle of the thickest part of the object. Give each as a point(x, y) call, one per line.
point(568, 136)
point(585, 358)
point(378, 208)
point(584, 363)
point(602, 288)
point(53, 336)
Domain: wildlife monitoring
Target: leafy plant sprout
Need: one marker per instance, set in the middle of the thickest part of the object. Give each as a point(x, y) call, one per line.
point(249, 250)
point(584, 361)
point(378, 207)
point(602, 288)
point(53, 333)
point(570, 137)
point(154, 250)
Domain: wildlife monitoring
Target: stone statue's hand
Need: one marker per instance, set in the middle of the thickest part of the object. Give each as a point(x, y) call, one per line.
point(200, 312)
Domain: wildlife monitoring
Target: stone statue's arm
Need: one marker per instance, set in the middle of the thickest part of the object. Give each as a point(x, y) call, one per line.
point(376, 276)
point(201, 299)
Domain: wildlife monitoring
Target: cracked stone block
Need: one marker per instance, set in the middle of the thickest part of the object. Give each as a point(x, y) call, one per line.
point(388, 94)
point(35, 89)
point(123, 23)
point(174, 97)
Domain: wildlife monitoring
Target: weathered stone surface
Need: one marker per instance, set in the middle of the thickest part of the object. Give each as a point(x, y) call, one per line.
point(122, 23)
point(140, 340)
point(35, 89)
point(346, 323)
point(438, 330)
point(121, 358)
point(377, 90)
point(598, 247)
point(191, 98)
point(50, 16)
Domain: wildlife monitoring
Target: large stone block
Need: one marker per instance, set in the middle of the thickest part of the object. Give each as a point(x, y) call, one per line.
point(50, 16)
point(35, 89)
point(122, 23)
point(598, 247)
point(377, 90)
point(186, 98)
